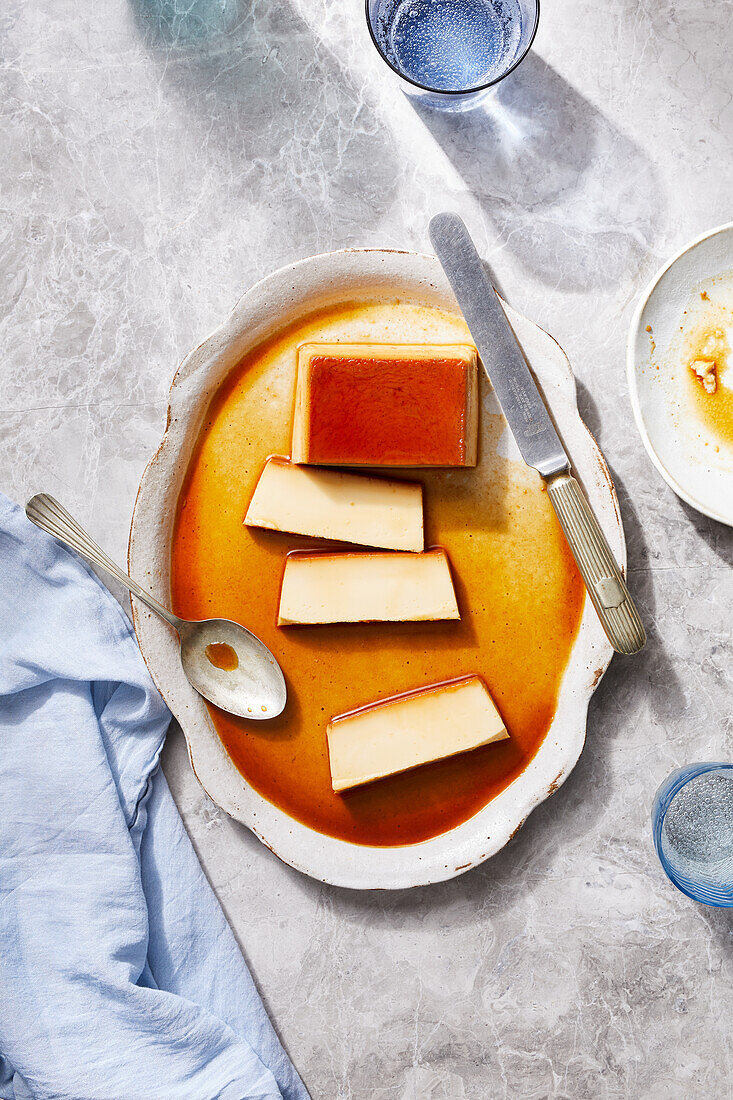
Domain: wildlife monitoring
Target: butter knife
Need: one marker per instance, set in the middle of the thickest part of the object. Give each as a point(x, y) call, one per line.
point(534, 431)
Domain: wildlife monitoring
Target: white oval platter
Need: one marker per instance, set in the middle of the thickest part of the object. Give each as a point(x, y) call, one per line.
point(676, 444)
point(276, 301)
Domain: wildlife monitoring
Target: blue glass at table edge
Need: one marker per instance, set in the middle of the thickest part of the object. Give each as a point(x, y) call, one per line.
point(700, 889)
point(458, 98)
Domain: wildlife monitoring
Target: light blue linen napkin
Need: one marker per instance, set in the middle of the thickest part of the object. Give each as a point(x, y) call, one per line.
point(119, 976)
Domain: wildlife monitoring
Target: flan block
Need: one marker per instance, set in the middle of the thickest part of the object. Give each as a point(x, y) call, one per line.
point(369, 511)
point(368, 586)
point(409, 730)
point(386, 405)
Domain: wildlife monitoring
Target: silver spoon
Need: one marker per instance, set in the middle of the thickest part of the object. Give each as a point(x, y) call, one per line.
point(226, 663)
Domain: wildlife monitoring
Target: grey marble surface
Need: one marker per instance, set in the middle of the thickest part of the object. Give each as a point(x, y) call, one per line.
point(158, 156)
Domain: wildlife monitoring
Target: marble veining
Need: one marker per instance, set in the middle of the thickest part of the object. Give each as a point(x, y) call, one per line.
point(161, 155)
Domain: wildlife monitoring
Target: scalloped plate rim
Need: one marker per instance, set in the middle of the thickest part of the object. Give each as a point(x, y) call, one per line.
point(359, 867)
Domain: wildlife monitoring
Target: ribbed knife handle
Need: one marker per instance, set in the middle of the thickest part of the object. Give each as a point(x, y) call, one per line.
point(606, 586)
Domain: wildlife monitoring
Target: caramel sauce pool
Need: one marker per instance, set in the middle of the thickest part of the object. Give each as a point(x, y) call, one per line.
point(222, 656)
point(518, 589)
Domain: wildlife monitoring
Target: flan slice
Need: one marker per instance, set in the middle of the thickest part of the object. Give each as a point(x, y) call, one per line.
point(370, 511)
point(386, 405)
point(409, 730)
point(368, 586)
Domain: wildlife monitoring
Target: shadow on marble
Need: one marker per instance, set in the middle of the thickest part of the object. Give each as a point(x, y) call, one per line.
point(278, 117)
point(719, 921)
point(654, 662)
point(551, 173)
point(187, 23)
point(718, 536)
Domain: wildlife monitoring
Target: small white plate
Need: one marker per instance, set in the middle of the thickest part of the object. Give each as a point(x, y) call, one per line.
point(696, 465)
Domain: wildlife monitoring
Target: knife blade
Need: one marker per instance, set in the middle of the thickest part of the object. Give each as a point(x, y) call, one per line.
point(533, 429)
point(501, 355)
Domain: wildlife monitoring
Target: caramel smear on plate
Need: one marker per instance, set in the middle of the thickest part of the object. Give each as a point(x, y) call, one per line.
point(697, 366)
point(706, 350)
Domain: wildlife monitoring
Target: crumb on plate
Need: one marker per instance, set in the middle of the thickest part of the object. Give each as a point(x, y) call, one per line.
point(706, 371)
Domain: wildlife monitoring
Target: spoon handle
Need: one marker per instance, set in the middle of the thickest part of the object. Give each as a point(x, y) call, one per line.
point(50, 516)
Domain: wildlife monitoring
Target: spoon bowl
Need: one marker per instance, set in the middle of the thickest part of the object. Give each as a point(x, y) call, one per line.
point(223, 661)
point(232, 668)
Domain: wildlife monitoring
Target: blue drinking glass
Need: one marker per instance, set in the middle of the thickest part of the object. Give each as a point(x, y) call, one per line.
point(692, 823)
point(450, 53)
